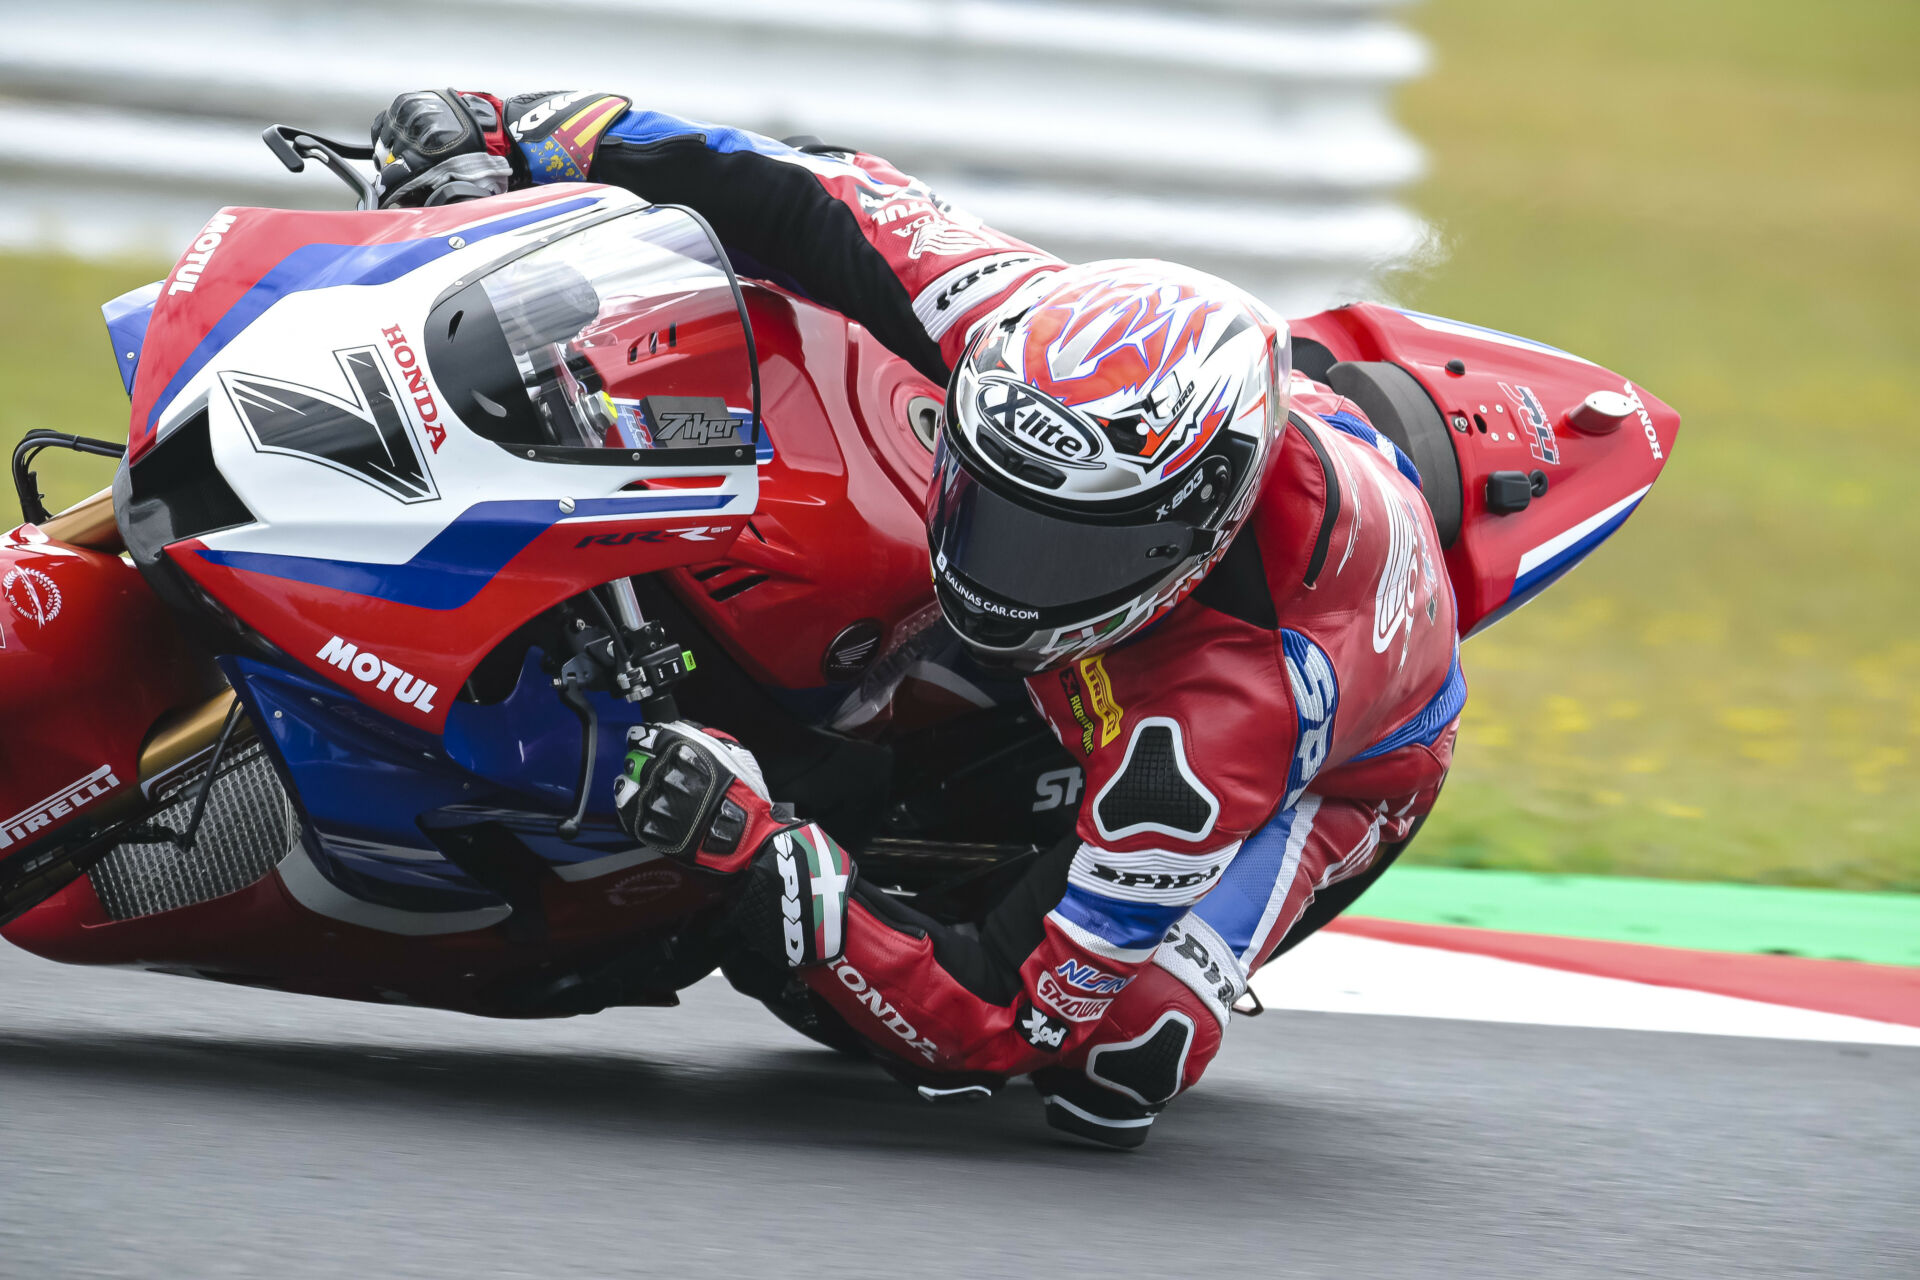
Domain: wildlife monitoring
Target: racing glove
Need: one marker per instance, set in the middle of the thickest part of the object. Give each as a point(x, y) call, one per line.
point(437, 145)
point(434, 145)
point(698, 796)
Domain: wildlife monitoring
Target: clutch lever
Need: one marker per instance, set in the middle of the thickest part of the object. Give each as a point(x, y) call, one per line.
point(294, 147)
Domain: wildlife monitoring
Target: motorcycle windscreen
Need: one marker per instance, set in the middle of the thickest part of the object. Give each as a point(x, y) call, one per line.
point(626, 334)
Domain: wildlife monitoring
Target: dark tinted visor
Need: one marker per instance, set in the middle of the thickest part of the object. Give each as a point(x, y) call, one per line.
point(1029, 558)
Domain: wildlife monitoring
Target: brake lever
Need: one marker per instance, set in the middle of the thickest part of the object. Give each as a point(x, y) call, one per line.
point(575, 694)
point(294, 147)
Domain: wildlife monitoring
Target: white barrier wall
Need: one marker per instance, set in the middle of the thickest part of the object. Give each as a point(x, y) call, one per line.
point(1252, 138)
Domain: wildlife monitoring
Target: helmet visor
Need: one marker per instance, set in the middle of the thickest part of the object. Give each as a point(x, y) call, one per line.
point(1036, 562)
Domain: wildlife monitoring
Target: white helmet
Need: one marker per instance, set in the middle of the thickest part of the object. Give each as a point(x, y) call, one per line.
point(1106, 435)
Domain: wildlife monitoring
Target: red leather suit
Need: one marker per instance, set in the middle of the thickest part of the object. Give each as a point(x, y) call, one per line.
point(1261, 742)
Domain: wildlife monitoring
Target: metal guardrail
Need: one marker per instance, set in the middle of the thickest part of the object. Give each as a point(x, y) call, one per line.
point(1247, 137)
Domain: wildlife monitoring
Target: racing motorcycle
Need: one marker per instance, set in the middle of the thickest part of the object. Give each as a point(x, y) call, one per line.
point(419, 510)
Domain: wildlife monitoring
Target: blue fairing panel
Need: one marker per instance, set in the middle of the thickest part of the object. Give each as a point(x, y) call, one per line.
point(530, 741)
point(127, 317)
point(361, 780)
point(463, 558)
point(374, 791)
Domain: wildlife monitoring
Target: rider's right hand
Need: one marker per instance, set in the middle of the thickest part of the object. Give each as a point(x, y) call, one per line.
point(693, 794)
point(696, 795)
point(434, 145)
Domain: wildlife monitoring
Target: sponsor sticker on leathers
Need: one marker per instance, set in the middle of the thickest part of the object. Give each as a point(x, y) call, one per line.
point(1100, 698)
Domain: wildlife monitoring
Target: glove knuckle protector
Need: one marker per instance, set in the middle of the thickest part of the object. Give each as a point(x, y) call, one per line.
point(672, 795)
point(430, 139)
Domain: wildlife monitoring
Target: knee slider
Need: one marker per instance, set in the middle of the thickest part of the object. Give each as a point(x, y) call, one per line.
point(1149, 1068)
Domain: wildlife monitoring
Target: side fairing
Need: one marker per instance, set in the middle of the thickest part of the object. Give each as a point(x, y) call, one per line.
point(293, 457)
point(837, 558)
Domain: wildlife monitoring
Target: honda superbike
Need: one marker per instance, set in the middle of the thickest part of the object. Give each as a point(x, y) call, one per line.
point(327, 693)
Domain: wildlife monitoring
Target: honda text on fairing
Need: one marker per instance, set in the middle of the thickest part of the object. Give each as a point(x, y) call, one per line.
point(441, 528)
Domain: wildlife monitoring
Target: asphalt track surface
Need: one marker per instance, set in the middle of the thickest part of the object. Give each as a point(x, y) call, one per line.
point(156, 1126)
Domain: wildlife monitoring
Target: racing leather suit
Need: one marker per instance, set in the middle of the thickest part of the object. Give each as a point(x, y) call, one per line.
point(1263, 741)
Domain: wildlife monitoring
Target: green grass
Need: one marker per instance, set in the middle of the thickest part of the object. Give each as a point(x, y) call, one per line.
point(1720, 199)
point(56, 366)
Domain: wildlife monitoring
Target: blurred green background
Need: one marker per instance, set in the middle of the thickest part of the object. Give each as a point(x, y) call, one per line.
point(1720, 199)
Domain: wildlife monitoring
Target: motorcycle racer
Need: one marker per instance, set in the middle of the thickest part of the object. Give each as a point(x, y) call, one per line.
point(1220, 584)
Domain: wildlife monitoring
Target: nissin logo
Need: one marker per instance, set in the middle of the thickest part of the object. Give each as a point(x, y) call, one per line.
point(371, 669)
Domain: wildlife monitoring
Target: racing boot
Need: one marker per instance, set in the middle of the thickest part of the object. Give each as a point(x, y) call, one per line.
point(1156, 1041)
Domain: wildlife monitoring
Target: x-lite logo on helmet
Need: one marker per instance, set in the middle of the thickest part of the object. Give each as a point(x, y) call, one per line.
point(1038, 424)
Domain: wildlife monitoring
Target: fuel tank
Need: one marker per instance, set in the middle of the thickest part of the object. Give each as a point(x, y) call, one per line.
point(834, 560)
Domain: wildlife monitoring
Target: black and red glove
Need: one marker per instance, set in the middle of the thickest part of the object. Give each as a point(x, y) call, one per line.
point(432, 146)
point(697, 796)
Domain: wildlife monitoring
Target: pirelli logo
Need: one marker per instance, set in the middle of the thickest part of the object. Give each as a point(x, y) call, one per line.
point(58, 806)
point(1100, 697)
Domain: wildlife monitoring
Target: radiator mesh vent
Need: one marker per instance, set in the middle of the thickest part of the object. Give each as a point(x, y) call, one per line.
point(249, 826)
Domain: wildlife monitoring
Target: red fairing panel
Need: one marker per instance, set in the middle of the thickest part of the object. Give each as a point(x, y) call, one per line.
point(263, 934)
point(89, 660)
point(242, 250)
point(439, 648)
point(838, 538)
point(1515, 406)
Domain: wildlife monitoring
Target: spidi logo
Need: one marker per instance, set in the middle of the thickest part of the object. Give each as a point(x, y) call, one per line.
point(195, 261)
point(371, 669)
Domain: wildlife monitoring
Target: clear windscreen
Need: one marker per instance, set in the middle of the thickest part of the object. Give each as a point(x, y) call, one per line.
point(628, 333)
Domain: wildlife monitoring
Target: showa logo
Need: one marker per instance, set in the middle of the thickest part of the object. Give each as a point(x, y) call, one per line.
point(197, 257)
point(371, 669)
point(416, 377)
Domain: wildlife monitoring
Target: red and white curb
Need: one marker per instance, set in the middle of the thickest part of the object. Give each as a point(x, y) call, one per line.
point(1341, 972)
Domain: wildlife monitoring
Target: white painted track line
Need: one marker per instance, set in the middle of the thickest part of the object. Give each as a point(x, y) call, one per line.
point(1338, 973)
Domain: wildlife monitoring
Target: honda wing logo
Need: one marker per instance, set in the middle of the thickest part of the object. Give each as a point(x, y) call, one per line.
point(366, 437)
